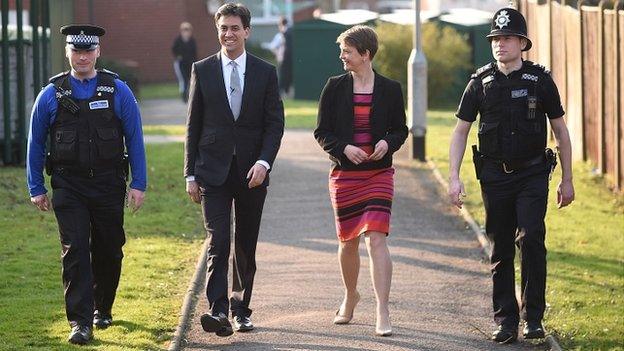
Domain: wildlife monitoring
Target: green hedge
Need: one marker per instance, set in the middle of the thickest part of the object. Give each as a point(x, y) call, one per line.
point(448, 59)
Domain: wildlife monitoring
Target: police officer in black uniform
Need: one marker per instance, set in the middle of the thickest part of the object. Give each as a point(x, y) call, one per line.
point(514, 99)
point(91, 119)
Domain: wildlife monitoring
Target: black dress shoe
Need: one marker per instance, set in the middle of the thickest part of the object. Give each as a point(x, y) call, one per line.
point(505, 335)
point(102, 320)
point(80, 334)
point(242, 324)
point(533, 330)
point(219, 325)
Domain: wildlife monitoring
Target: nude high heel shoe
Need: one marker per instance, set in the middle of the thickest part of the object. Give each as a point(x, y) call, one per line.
point(345, 319)
point(379, 331)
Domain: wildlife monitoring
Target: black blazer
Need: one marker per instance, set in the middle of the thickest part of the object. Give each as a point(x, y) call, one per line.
point(334, 129)
point(212, 134)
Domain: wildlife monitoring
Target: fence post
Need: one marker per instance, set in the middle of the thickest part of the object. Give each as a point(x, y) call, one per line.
point(20, 143)
point(602, 164)
point(619, 172)
point(45, 21)
point(36, 63)
point(6, 94)
point(579, 6)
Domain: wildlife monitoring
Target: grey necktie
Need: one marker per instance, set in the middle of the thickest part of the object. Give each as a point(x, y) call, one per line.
point(236, 93)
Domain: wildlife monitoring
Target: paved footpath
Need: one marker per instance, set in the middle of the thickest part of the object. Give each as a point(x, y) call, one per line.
point(440, 290)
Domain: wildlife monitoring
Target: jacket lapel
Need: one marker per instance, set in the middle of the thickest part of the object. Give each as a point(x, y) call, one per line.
point(249, 81)
point(377, 98)
point(348, 99)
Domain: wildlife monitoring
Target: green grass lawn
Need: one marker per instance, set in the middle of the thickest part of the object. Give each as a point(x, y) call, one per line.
point(163, 242)
point(159, 91)
point(299, 114)
point(585, 242)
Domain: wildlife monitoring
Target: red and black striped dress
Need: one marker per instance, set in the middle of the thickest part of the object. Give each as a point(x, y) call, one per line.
point(362, 200)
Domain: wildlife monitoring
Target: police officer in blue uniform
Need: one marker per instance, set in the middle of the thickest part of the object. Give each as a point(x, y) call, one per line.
point(514, 99)
point(91, 120)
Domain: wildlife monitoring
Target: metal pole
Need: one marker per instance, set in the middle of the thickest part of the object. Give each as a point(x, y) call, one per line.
point(289, 12)
point(417, 91)
point(6, 94)
point(36, 60)
point(21, 88)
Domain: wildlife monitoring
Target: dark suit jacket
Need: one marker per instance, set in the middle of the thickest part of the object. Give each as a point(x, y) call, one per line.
point(212, 134)
point(334, 129)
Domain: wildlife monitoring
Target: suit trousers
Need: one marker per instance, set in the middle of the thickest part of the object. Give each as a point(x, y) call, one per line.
point(515, 206)
point(217, 209)
point(90, 215)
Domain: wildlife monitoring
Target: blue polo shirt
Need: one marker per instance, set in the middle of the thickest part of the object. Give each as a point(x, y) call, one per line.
point(44, 114)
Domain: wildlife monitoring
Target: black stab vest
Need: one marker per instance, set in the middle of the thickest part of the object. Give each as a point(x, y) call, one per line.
point(512, 124)
point(91, 138)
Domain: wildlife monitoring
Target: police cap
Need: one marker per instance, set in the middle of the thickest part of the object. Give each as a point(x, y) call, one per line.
point(82, 36)
point(508, 21)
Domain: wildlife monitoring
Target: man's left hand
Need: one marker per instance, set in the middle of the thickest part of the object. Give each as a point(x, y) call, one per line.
point(135, 199)
point(256, 175)
point(565, 193)
point(381, 148)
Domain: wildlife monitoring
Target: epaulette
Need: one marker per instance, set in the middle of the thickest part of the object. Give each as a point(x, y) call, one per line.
point(538, 67)
point(483, 71)
point(104, 70)
point(58, 76)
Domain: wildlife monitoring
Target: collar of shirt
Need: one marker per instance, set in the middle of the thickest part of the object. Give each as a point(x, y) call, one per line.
point(241, 61)
point(83, 88)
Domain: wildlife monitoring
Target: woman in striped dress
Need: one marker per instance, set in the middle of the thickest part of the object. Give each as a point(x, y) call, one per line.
point(361, 123)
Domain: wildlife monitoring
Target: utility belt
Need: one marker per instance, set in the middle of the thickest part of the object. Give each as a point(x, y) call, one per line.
point(122, 168)
point(511, 166)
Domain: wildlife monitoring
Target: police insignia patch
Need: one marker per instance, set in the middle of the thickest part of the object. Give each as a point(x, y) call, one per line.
point(519, 93)
point(97, 105)
point(502, 20)
point(531, 77)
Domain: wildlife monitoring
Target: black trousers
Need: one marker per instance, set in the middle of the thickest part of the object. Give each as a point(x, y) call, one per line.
point(515, 206)
point(89, 212)
point(217, 208)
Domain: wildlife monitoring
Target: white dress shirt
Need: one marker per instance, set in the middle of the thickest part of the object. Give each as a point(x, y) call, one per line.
point(241, 61)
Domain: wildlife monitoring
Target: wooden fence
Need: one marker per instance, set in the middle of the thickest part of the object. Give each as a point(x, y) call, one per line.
point(584, 48)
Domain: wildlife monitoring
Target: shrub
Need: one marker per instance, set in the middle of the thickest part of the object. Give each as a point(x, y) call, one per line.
point(448, 59)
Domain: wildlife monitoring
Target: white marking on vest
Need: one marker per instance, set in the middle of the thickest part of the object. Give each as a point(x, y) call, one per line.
point(98, 105)
point(519, 93)
point(487, 79)
point(105, 89)
point(529, 77)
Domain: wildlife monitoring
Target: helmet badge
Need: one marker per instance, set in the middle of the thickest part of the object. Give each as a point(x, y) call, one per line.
point(502, 20)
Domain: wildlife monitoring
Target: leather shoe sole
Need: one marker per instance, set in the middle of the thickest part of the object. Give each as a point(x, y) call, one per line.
point(534, 334)
point(219, 326)
point(243, 328)
point(504, 336)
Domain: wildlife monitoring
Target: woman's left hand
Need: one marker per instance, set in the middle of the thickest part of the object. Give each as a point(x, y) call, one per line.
point(381, 148)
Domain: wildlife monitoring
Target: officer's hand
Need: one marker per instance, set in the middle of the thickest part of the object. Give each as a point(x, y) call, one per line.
point(456, 192)
point(355, 154)
point(565, 193)
point(381, 148)
point(41, 201)
point(135, 199)
point(256, 175)
point(192, 188)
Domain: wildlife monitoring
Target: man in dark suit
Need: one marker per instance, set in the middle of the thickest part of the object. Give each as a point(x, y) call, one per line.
point(234, 130)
